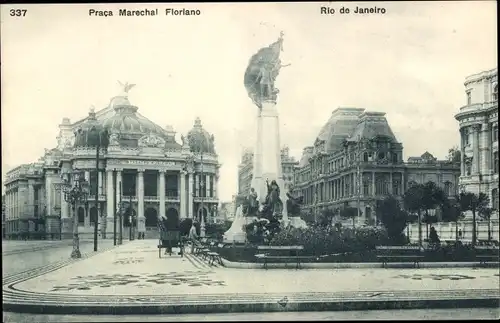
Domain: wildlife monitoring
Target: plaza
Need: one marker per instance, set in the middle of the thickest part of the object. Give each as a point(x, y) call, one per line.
point(330, 230)
point(132, 279)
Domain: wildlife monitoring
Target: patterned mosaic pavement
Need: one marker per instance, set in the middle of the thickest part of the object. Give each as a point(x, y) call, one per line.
point(132, 279)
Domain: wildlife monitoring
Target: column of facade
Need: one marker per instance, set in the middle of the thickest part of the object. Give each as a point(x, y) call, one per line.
point(390, 183)
point(141, 221)
point(48, 193)
point(190, 195)
point(182, 195)
point(196, 185)
point(31, 199)
point(485, 148)
point(215, 183)
point(374, 192)
point(462, 152)
point(207, 185)
point(161, 174)
point(119, 187)
point(475, 147)
point(99, 182)
point(110, 198)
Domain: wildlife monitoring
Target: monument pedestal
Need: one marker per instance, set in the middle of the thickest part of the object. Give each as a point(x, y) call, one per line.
point(267, 155)
point(236, 234)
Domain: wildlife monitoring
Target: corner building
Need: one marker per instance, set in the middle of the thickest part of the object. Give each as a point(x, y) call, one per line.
point(142, 163)
point(356, 160)
point(478, 121)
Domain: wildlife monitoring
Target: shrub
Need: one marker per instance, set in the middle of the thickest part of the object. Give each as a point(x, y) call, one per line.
point(319, 240)
point(217, 230)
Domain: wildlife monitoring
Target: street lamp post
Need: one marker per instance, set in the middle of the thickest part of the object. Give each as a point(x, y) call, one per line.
point(74, 194)
point(130, 216)
point(96, 220)
point(202, 192)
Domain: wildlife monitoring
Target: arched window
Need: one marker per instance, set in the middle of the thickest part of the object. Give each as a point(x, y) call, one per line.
point(495, 92)
point(365, 156)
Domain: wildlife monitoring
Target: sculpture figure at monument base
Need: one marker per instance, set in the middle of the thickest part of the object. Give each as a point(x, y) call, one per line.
point(235, 234)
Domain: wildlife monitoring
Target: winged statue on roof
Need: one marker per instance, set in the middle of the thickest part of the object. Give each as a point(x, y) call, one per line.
point(262, 71)
point(126, 86)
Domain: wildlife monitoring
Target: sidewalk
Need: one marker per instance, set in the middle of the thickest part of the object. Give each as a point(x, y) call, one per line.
point(131, 279)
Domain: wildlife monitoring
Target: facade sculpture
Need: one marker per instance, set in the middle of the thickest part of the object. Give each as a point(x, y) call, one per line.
point(160, 185)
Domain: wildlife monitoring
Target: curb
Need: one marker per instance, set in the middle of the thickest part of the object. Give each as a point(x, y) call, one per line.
point(190, 304)
point(364, 265)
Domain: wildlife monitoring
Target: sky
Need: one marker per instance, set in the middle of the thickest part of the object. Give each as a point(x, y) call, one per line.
point(410, 63)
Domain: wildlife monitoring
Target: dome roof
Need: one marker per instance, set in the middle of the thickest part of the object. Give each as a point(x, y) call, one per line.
point(127, 121)
point(91, 133)
point(199, 139)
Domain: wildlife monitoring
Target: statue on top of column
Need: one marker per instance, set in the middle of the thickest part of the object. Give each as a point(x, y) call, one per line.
point(262, 71)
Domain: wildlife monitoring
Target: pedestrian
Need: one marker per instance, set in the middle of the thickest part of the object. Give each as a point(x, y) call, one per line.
point(193, 236)
point(433, 236)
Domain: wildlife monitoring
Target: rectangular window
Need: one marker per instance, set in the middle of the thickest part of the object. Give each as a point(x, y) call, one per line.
point(495, 133)
point(495, 161)
point(93, 182)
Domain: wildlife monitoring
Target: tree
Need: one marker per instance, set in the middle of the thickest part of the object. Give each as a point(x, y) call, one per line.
point(392, 216)
point(412, 200)
point(476, 204)
point(433, 197)
point(326, 216)
point(454, 155)
point(486, 213)
point(451, 212)
point(349, 213)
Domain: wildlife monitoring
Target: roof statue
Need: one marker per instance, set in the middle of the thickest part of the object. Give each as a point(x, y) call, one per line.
point(126, 86)
point(262, 71)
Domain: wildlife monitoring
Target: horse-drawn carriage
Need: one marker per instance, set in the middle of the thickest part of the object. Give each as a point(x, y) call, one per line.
point(171, 236)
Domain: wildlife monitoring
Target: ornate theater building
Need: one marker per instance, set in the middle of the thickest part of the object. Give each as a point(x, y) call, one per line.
point(142, 172)
point(356, 160)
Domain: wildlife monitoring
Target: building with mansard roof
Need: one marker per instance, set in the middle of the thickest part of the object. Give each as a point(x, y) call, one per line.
point(356, 160)
point(142, 170)
point(478, 121)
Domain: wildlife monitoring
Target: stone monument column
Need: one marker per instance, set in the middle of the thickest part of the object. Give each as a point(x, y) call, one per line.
point(141, 221)
point(267, 159)
point(110, 212)
point(161, 173)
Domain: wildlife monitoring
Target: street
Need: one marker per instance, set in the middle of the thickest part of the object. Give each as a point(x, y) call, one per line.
point(18, 256)
point(427, 314)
